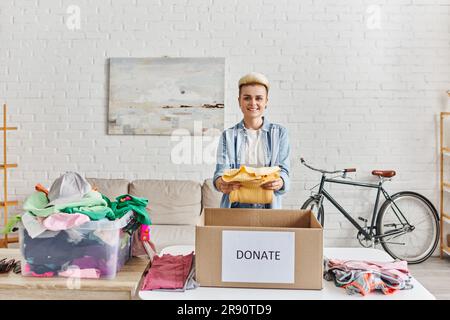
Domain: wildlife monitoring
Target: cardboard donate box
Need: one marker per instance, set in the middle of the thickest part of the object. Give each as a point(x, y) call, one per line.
point(259, 248)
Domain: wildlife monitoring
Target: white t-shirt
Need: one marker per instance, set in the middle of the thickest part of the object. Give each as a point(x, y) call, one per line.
point(254, 154)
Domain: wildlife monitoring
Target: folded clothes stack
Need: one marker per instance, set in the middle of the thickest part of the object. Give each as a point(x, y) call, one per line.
point(251, 180)
point(54, 236)
point(171, 273)
point(364, 277)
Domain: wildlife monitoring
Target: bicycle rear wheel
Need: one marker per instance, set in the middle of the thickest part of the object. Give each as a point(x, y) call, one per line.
point(312, 204)
point(410, 227)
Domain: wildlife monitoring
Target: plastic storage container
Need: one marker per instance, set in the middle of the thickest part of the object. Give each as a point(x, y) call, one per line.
point(94, 249)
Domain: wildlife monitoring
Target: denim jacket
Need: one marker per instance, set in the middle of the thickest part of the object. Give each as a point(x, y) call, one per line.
point(277, 150)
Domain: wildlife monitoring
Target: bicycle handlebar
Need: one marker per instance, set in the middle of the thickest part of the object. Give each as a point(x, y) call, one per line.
point(325, 171)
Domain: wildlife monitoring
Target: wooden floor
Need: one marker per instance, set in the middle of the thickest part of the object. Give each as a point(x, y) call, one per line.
point(434, 275)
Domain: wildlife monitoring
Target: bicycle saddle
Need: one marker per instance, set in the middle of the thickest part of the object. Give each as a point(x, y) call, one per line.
point(384, 173)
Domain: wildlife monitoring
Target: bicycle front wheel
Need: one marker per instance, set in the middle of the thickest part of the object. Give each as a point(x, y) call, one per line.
point(312, 204)
point(408, 226)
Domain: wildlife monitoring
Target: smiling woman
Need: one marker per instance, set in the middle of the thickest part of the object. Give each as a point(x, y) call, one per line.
point(253, 142)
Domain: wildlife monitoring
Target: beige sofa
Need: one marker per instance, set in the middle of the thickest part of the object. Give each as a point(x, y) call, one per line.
point(175, 206)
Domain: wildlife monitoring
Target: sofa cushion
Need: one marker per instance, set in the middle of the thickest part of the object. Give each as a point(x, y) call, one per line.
point(170, 201)
point(111, 188)
point(210, 197)
point(164, 235)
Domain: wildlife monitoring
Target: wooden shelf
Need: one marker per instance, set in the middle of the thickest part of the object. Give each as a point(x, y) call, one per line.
point(8, 203)
point(444, 186)
point(3, 242)
point(4, 166)
point(9, 165)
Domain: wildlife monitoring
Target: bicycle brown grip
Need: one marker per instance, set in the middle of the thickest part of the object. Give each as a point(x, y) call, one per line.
point(350, 170)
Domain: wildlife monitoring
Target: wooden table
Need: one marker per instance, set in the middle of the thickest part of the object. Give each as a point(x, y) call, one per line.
point(123, 287)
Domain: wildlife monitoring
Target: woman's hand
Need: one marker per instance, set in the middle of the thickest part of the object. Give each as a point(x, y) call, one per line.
point(273, 185)
point(226, 187)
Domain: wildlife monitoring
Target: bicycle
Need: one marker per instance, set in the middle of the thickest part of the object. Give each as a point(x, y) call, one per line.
point(406, 225)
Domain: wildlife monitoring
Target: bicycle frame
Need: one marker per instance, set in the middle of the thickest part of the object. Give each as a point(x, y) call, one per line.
point(380, 190)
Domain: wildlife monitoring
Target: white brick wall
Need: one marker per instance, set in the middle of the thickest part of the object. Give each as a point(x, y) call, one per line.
point(350, 95)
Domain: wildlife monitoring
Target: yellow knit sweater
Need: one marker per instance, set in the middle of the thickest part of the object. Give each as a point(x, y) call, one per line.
point(251, 180)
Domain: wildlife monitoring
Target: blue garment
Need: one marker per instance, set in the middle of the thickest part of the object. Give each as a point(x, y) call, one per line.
point(230, 151)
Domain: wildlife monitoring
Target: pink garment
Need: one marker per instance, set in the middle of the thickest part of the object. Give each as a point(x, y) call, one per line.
point(27, 271)
point(63, 221)
point(43, 275)
point(127, 198)
point(81, 273)
point(168, 272)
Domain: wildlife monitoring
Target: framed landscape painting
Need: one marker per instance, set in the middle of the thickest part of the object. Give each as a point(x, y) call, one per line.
point(157, 96)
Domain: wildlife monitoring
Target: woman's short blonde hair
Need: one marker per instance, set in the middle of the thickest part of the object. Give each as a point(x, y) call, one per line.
point(254, 78)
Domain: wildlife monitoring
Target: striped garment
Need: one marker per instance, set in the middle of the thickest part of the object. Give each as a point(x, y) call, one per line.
point(364, 277)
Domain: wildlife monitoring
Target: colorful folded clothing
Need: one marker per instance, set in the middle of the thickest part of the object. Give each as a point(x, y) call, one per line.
point(364, 277)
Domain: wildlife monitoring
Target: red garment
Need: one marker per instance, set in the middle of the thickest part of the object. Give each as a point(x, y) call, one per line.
point(168, 272)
